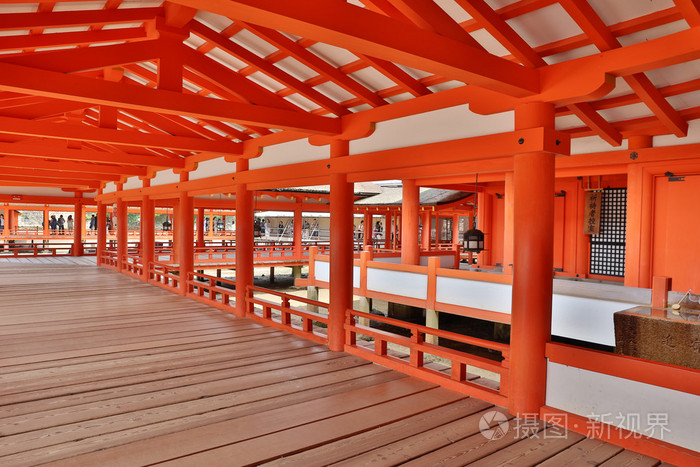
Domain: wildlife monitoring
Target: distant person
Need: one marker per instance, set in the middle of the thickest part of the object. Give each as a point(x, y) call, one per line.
point(2, 221)
point(93, 222)
point(69, 223)
point(53, 224)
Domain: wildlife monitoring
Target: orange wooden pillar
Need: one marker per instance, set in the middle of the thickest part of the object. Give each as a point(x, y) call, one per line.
point(485, 221)
point(508, 224)
point(245, 242)
point(410, 252)
point(456, 241)
point(200, 227)
point(47, 220)
point(185, 228)
point(101, 231)
point(341, 255)
point(531, 317)
point(6, 216)
point(78, 224)
point(148, 241)
point(388, 229)
point(639, 213)
point(367, 230)
point(426, 221)
point(175, 231)
point(297, 230)
point(122, 232)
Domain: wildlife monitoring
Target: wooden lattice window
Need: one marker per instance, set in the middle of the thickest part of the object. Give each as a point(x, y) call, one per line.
point(608, 246)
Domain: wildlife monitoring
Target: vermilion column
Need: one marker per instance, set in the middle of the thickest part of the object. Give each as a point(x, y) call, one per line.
point(78, 222)
point(367, 230)
point(425, 233)
point(185, 228)
point(533, 184)
point(296, 234)
point(341, 250)
point(101, 231)
point(410, 253)
point(47, 219)
point(122, 233)
point(508, 224)
point(456, 241)
point(148, 233)
point(200, 227)
point(245, 218)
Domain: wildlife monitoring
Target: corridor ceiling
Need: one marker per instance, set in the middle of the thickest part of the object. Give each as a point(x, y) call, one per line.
point(97, 92)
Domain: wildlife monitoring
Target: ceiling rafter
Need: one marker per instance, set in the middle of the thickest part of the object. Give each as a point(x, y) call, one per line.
point(52, 84)
point(359, 29)
point(114, 137)
point(41, 181)
point(31, 172)
point(498, 28)
point(66, 19)
point(316, 63)
point(197, 80)
point(588, 20)
point(31, 162)
point(430, 17)
point(70, 38)
point(91, 58)
point(264, 66)
point(690, 10)
point(54, 151)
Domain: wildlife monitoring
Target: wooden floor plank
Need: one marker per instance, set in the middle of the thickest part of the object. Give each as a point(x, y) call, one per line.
point(352, 446)
point(98, 368)
point(630, 459)
point(587, 452)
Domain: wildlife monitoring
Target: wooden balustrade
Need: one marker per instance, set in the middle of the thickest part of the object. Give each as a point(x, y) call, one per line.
point(417, 347)
point(161, 274)
point(210, 290)
point(260, 310)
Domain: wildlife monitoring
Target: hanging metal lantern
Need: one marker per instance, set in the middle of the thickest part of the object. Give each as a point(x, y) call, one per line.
point(473, 240)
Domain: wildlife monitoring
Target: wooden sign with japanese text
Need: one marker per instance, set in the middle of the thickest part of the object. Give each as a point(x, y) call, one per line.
point(591, 221)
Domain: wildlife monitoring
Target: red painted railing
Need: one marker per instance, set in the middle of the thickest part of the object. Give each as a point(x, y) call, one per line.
point(418, 347)
point(35, 249)
point(261, 310)
point(162, 275)
point(210, 290)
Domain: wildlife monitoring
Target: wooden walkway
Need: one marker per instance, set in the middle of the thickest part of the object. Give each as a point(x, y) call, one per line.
point(99, 369)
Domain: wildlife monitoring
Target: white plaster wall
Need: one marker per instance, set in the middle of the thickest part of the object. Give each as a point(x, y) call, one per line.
point(322, 271)
point(407, 284)
point(356, 276)
point(586, 319)
point(619, 401)
point(475, 294)
point(430, 127)
point(292, 152)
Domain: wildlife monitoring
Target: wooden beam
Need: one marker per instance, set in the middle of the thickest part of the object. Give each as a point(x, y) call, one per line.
point(70, 38)
point(60, 174)
point(32, 162)
point(690, 10)
point(58, 85)
point(586, 17)
point(40, 181)
point(118, 137)
point(92, 58)
point(268, 68)
point(65, 19)
point(47, 151)
point(356, 28)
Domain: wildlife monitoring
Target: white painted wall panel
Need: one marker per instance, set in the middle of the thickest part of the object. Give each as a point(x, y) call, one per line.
point(356, 276)
point(586, 319)
point(322, 271)
point(620, 400)
point(475, 294)
point(406, 284)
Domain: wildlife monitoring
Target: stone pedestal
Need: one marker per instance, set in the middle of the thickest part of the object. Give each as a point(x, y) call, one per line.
point(659, 335)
